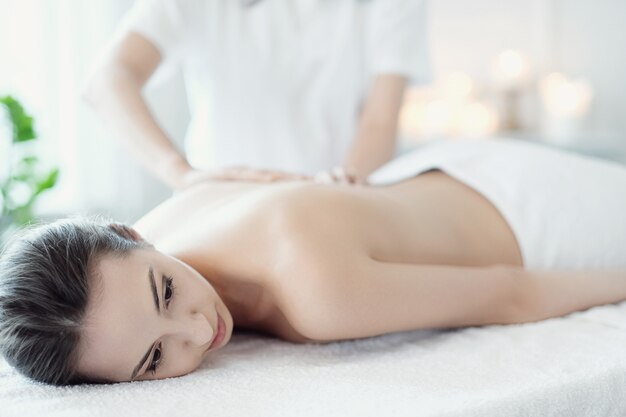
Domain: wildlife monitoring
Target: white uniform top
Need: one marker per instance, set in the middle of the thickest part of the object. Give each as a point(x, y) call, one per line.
point(279, 84)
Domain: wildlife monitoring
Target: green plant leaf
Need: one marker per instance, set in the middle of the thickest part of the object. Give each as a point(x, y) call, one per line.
point(30, 160)
point(25, 171)
point(22, 123)
point(46, 183)
point(23, 177)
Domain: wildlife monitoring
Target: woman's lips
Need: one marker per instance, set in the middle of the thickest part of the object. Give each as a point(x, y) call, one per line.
point(221, 331)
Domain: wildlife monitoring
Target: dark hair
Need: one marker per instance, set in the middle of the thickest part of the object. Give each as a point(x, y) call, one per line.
point(46, 272)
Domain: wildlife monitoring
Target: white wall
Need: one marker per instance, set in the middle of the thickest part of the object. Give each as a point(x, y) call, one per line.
point(466, 35)
point(590, 41)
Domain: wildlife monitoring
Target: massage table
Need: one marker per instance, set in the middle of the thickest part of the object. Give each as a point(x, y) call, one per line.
point(571, 366)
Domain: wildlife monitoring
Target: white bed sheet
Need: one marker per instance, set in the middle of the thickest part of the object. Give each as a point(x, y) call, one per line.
point(569, 366)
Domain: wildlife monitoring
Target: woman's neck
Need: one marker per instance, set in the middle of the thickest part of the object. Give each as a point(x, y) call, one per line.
point(245, 294)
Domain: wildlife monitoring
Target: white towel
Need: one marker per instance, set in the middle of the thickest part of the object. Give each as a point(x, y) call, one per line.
point(567, 210)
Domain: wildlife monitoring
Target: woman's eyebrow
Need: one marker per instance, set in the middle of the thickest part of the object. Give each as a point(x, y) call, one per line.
point(155, 296)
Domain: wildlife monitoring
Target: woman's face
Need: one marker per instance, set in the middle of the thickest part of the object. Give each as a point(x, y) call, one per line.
point(149, 306)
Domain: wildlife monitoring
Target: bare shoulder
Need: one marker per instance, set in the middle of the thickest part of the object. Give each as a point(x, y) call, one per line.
point(316, 256)
point(310, 282)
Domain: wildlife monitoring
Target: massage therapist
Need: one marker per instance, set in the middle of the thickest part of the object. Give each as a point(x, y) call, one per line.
point(276, 88)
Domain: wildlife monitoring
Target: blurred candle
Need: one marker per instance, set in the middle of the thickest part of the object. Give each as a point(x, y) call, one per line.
point(457, 86)
point(566, 102)
point(437, 118)
point(478, 119)
point(510, 69)
point(411, 120)
point(564, 97)
point(447, 109)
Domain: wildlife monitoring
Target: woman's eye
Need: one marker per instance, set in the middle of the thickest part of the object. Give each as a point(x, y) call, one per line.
point(169, 289)
point(155, 360)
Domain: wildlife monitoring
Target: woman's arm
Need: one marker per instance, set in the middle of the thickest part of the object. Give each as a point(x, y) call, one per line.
point(400, 297)
point(362, 298)
point(548, 294)
point(382, 297)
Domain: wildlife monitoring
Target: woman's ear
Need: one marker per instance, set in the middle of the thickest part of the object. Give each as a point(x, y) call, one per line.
point(126, 232)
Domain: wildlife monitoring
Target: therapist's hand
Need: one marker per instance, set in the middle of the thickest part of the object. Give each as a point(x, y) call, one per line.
point(239, 173)
point(339, 175)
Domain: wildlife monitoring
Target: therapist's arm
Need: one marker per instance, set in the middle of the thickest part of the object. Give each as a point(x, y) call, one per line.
point(114, 90)
point(375, 141)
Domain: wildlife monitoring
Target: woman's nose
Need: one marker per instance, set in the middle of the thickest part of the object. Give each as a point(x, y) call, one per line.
point(195, 328)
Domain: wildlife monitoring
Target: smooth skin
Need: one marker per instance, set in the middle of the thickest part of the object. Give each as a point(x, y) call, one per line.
point(309, 262)
point(114, 89)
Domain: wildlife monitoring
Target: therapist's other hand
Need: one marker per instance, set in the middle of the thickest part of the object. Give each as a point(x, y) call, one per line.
point(239, 173)
point(339, 175)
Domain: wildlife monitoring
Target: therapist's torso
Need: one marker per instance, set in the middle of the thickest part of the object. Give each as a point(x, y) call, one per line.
point(279, 85)
point(276, 85)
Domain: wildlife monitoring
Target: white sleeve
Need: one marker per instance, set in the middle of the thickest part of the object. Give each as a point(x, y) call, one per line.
point(165, 23)
point(396, 39)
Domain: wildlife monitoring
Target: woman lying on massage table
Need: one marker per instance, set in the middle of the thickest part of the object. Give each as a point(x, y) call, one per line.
point(83, 299)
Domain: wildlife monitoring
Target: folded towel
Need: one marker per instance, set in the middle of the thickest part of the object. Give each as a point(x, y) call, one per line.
point(567, 366)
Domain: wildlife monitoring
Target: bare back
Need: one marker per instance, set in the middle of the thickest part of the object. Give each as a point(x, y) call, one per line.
point(239, 234)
